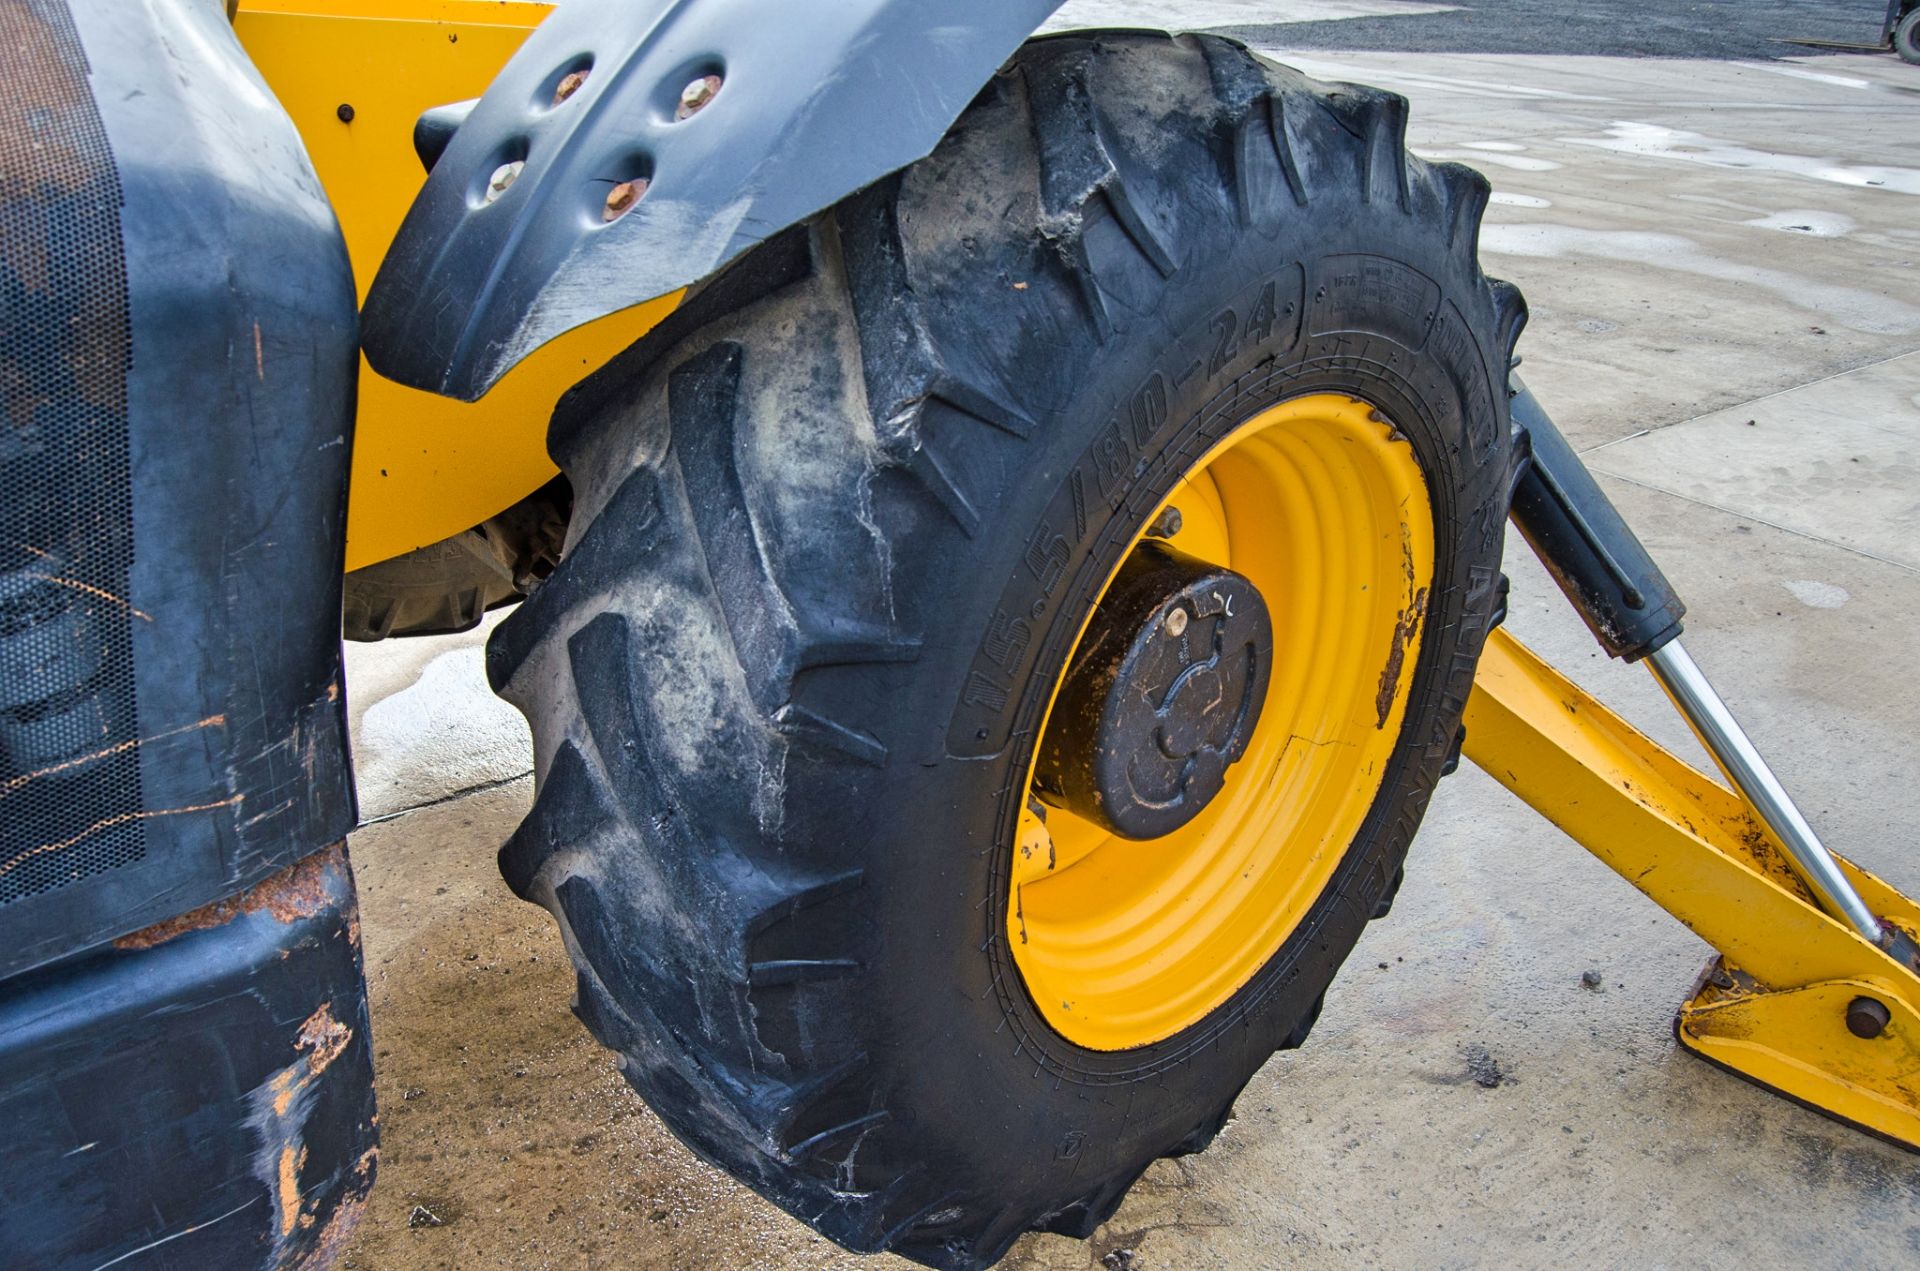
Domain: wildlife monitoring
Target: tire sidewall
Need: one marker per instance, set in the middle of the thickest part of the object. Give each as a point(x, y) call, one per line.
point(948, 972)
point(839, 528)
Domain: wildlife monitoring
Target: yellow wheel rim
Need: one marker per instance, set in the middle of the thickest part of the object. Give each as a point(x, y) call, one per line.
point(1322, 506)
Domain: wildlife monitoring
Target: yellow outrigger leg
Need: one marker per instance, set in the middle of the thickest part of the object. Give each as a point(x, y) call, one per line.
point(1815, 993)
point(1797, 1001)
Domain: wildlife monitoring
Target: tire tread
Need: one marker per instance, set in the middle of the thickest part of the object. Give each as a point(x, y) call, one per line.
point(648, 792)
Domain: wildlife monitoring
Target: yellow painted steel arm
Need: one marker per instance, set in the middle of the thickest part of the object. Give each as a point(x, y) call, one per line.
point(1783, 1005)
point(355, 75)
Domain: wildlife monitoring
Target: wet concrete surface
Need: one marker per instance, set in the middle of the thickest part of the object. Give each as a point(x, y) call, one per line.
point(1494, 1081)
point(1615, 28)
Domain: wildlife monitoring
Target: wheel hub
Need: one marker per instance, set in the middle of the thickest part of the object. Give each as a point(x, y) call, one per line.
point(1135, 910)
point(1162, 697)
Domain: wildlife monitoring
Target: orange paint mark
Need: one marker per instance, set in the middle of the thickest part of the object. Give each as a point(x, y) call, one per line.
point(14, 783)
point(324, 1037)
point(284, 1087)
point(289, 1190)
point(91, 590)
point(106, 823)
point(258, 817)
point(329, 1245)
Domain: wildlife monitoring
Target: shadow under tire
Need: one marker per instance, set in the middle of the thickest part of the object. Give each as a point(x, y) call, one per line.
point(837, 526)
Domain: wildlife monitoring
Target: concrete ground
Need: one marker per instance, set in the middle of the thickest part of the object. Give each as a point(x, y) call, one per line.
point(1723, 260)
point(1617, 28)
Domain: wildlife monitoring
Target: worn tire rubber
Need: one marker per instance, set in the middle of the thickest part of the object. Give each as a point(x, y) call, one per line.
point(1906, 38)
point(889, 454)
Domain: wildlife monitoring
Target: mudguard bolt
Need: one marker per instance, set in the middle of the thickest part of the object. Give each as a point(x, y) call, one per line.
point(622, 197)
point(1166, 525)
point(503, 176)
point(1176, 621)
point(1867, 1018)
point(569, 85)
point(695, 96)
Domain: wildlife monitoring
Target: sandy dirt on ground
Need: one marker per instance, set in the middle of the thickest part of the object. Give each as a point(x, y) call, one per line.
point(508, 1138)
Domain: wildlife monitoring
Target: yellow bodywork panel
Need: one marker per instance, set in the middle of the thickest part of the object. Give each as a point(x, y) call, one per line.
point(424, 467)
point(1773, 1007)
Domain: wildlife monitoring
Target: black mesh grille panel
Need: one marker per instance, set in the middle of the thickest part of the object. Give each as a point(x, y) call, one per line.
point(70, 799)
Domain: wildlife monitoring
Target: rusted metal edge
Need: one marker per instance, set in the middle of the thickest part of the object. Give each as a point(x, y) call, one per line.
point(301, 890)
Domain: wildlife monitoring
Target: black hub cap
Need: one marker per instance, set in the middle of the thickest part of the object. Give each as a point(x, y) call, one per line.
point(1162, 698)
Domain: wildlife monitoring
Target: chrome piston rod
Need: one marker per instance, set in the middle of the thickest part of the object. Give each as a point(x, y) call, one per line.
point(1634, 612)
point(1730, 747)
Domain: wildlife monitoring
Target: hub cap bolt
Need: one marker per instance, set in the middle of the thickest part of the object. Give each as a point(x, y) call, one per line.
point(695, 96)
point(1166, 525)
point(621, 198)
point(1177, 622)
point(1867, 1018)
point(503, 176)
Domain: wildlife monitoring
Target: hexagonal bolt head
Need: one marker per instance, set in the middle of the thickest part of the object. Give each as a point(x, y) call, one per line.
point(695, 96)
point(569, 85)
point(503, 176)
point(1867, 1018)
point(1166, 525)
point(622, 197)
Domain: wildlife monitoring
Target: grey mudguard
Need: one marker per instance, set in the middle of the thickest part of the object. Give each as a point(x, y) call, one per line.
point(820, 98)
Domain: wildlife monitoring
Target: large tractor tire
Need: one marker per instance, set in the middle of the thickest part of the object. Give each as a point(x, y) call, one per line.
point(894, 900)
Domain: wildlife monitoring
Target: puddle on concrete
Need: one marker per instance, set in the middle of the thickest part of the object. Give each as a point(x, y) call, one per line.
point(1806, 221)
point(1817, 595)
point(1709, 200)
point(1519, 162)
point(1844, 306)
point(1657, 142)
point(446, 732)
point(1322, 68)
point(1199, 14)
point(1817, 77)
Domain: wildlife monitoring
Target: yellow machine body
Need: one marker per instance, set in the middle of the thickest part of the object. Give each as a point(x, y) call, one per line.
point(355, 75)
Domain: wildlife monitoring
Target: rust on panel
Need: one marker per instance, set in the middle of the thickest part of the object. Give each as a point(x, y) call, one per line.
point(301, 890)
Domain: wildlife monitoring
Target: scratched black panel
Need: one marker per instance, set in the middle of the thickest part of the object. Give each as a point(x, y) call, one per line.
point(177, 365)
point(199, 1096)
point(69, 779)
